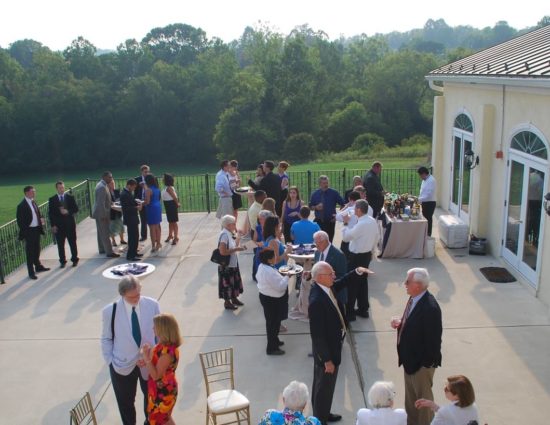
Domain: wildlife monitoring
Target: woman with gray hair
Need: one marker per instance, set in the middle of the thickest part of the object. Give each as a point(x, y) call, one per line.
point(230, 284)
point(381, 396)
point(295, 397)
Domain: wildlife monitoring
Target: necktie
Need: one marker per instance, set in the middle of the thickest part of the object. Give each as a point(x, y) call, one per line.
point(333, 299)
point(404, 319)
point(322, 257)
point(136, 331)
point(36, 211)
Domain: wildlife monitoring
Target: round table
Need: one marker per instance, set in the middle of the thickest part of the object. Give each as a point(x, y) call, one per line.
point(108, 273)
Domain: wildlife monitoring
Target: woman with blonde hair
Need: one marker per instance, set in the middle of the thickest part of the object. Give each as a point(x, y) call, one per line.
point(462, 409)
point(161, 362)
point(269, 205)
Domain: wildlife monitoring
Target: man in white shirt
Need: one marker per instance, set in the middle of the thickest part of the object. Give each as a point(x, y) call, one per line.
point(349, 209)
point(127, 326)
point(427, 196)
point(362, 239)
point(255, 209)
point(225, 205)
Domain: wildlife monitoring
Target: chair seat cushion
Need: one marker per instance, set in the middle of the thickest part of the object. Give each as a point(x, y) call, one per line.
point(226, 401)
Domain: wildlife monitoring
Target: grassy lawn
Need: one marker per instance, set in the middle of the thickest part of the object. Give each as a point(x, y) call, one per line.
point(11, 187)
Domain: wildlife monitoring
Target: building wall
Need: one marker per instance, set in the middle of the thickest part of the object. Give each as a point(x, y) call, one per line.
point(496, 112)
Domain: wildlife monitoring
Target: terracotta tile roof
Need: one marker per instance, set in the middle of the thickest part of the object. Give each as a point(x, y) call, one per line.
point(525, 56)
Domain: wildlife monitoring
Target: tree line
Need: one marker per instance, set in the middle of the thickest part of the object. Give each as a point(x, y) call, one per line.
point(178, 96)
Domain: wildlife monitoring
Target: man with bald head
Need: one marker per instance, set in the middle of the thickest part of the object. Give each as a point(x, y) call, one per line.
point(419, 344)
point(328, 329)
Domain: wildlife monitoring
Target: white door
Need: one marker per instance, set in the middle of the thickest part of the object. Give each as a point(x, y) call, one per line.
point(460, 177)
point(524, 216)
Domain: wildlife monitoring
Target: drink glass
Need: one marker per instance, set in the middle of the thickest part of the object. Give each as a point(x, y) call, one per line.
point(395, 322)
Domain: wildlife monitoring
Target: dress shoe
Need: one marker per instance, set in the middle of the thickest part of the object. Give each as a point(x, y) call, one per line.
point(351, 318)
point(143, 239)
point(277, 352)
point(364, 314)
point(235, 301)
point(42, 269)
point(123, 243)
point(280, 343)
point(113, 255)
point(33, 277)
point(333, 417)
point(75, 262)
point(228, 306)
point(62, 264)
point(133, 259)
point(139, 255)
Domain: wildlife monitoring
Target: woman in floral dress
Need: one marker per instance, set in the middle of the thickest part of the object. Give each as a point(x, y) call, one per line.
point(161, 362)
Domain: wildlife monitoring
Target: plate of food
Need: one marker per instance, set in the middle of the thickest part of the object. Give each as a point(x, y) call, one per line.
point(290, 270)
point(242, 189)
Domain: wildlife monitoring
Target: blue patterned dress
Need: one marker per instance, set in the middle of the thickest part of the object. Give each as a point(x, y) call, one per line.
point(287, 417)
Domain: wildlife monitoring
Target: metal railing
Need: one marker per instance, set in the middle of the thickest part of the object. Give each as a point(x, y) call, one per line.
point(196, 193)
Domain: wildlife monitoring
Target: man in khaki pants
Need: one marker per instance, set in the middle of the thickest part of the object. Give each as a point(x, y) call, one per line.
point(419, 344)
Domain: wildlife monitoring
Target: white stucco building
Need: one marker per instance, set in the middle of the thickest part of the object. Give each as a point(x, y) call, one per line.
point(495, 106)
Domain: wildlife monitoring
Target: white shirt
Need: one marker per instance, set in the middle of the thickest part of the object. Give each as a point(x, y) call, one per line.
point(350, 210)
point(324, 253)
point(165, 196)
point(128, 308)
point(252, 213)
point(415, 301)
point(222, 184)
point(227, 237)
point(34, 222)
point(427, 190)
point(270, 281)
point(451, 414)
point(382, 416)
point(363, 236)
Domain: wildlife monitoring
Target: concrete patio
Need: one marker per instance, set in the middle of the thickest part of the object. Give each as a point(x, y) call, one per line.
point(496, 334)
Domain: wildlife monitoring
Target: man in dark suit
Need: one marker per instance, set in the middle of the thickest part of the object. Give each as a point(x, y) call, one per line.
point(140, 195)
point(30, 223)
point(419, 344)
point(62, 209)
point(270, 184)
point(374, 189)
point(130, 209)
point(328, 329)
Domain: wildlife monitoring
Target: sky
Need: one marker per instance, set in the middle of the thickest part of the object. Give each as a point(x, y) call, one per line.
point(107, 23)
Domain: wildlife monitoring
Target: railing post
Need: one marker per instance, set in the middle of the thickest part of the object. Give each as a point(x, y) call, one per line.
point(207, 183)
point(2, 277)
point(89, 196)
point(309, 183)
point(343, 189)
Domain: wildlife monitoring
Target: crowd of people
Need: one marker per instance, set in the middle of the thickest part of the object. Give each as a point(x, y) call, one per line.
point(146, 352)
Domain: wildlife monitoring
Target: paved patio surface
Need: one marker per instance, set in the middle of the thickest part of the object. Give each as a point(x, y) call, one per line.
point(496, 334)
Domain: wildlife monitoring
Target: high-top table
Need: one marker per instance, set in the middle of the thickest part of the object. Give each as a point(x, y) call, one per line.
point(405, 239)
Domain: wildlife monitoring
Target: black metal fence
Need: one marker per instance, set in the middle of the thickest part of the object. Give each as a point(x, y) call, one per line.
point(196, 193)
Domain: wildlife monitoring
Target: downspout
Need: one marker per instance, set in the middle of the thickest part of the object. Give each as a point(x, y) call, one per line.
point(435, 87)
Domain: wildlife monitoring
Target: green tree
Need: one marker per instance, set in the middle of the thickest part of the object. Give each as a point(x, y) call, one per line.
point(82, 58)
point(301, 146)
point(345, 125)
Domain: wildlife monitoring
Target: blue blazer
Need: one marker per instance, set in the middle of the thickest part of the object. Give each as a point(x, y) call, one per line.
point(122, 351)
point(337, 260)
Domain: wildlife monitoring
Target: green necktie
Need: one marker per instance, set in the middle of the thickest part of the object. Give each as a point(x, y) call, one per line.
point(136, 331)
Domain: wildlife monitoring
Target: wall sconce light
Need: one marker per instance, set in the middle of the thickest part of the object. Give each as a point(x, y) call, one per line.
point(547, 203)
point(471, 160)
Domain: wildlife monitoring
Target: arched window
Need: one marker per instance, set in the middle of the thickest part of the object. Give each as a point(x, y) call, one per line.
point(528, 142)
point(462, 122)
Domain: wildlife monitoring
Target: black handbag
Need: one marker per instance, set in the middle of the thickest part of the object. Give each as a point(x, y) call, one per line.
point(218, 258)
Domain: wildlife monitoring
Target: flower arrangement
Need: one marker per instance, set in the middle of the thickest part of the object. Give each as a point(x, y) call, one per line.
point(402, 206)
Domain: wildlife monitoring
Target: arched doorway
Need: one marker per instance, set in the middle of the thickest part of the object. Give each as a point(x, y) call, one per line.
point(463, 139)
point(523, 220)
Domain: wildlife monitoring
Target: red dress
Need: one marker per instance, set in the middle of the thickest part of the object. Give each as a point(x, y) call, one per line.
point(163, 392)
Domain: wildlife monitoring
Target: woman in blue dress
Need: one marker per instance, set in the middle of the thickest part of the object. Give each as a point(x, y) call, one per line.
point(153, 207)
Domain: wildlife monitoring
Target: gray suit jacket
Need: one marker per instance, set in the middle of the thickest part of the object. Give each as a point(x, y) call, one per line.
point(122, 351)
point(102, 204)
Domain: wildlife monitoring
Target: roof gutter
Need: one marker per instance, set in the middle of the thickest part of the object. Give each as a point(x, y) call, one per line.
point(477, 79)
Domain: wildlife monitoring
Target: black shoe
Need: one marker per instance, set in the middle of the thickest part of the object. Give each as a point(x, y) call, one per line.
point(277, 352)
point(364, 314)
point(143, 239)
point(75, 262)
point(351, 318)
point(123, 243)
point(281, 343)
point(42, 269)
point(113, 255)
point(132, 259)
point(33, 277)
point(138, 255)
point(333, 417)
point(62, 264)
